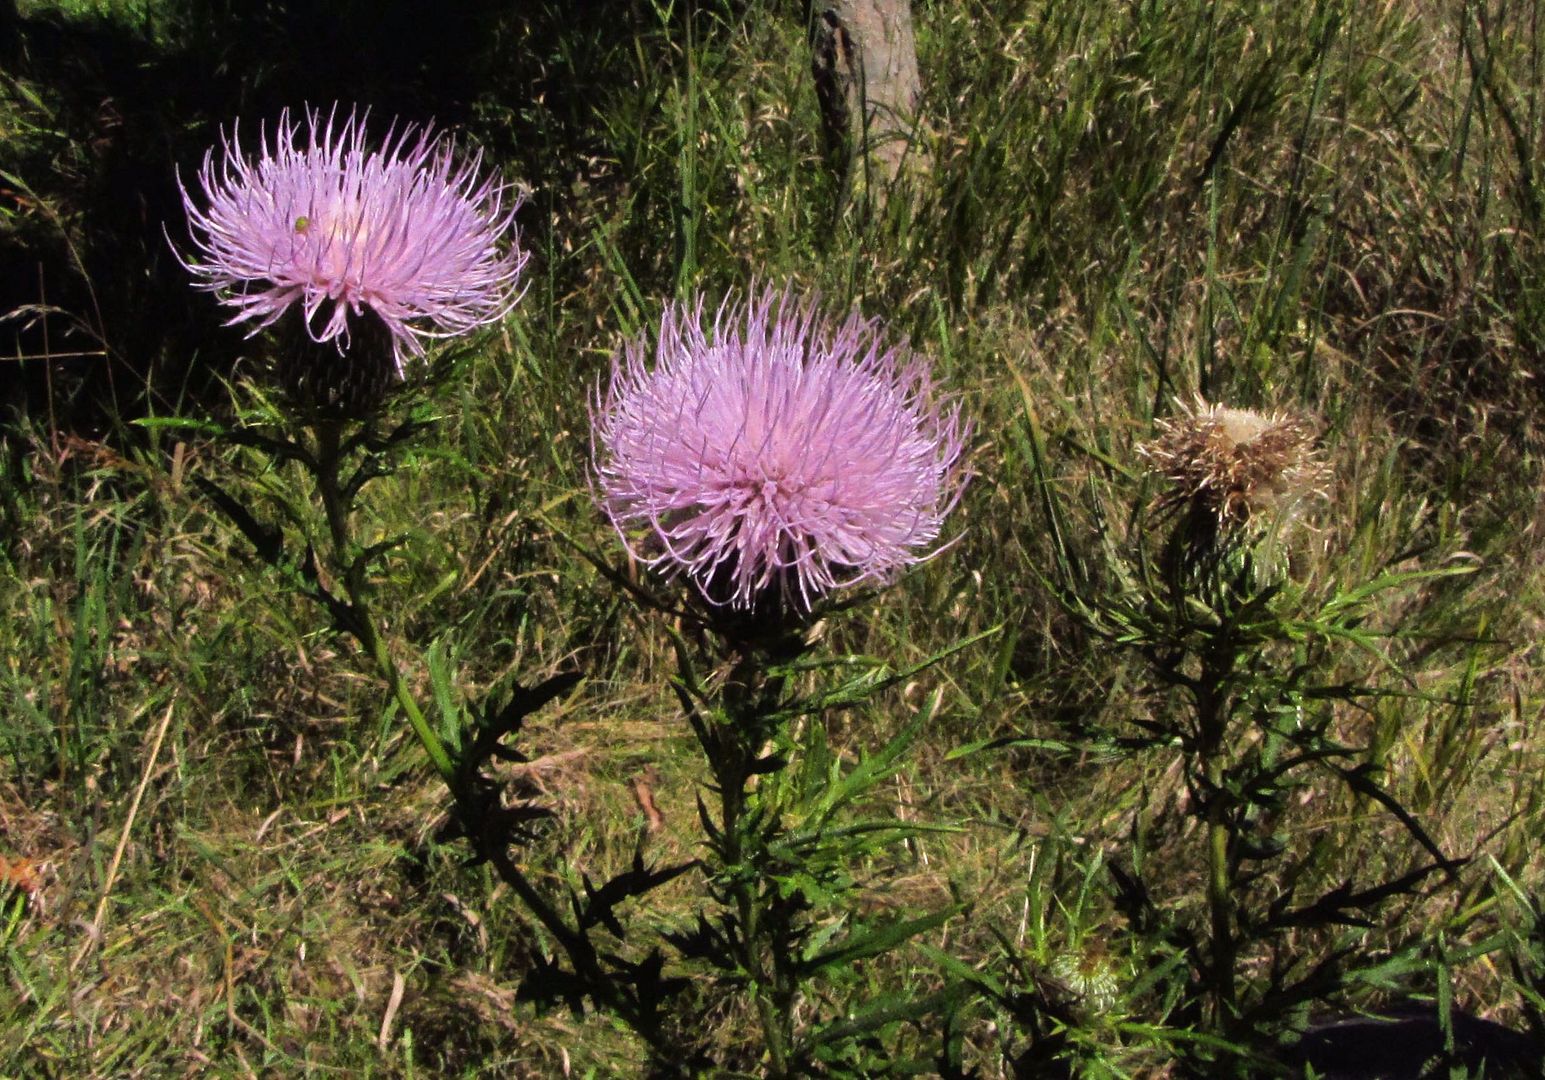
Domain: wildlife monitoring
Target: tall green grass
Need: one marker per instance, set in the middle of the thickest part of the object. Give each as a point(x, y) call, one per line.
point(1333, 206)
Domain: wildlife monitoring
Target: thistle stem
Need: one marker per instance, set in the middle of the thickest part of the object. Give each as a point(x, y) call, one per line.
point(580, 952)
point(1213, 718)
point(752, 952)
point(732, 757)
point(329, 464)
point(1220, 903)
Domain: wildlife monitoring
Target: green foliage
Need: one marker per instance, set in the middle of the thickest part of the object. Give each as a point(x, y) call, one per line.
point(786, 846)
point(1252, 674)
point(1332, 206)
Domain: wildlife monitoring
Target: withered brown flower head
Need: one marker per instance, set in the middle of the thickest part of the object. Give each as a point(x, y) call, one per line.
point(1237, 465)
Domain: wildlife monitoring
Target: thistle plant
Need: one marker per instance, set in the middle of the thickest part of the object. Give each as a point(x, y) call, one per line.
point(1253, 668)
point(349, 264)
point(771, 458)
point(354, 256)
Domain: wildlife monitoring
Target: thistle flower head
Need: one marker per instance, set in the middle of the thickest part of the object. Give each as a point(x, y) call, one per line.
point(775, 456)
point(1089, 978)
point(317, 222)
point(1235, 465)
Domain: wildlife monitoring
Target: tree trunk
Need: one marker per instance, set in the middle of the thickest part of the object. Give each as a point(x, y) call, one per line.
point(864, 58)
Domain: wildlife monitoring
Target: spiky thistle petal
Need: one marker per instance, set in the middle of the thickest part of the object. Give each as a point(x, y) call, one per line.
point(775, 455)
point(319, 223)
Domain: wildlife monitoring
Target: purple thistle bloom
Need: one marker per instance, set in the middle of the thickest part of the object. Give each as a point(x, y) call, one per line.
point(775, 455)
point(404, 232)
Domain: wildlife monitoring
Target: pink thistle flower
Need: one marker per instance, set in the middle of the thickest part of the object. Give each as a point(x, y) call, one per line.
point(775, 455)
point(404, 232)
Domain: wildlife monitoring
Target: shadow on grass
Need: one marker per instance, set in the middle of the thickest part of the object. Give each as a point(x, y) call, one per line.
point(100, 322)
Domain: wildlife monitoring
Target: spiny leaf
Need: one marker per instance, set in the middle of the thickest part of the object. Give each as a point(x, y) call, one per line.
point(879, 940)
point(883, 1010)
point(268, 540)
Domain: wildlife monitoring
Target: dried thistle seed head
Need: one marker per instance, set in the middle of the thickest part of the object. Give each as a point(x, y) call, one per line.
point(1238, 465)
